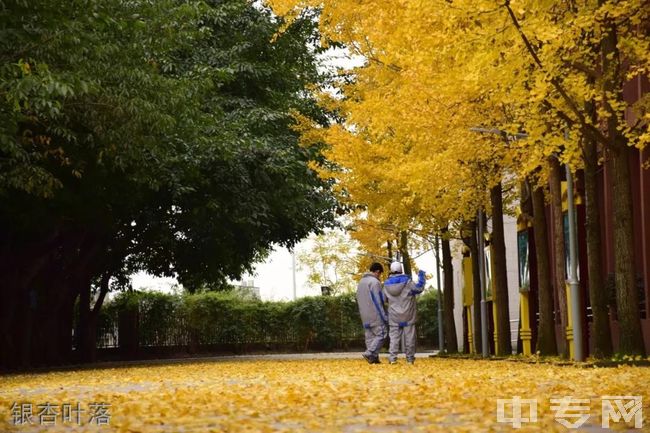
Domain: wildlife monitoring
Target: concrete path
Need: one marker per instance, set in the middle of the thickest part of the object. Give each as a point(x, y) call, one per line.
point(218, 358)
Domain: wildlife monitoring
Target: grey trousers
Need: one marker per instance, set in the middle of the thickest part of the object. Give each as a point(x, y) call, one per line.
point(375, 338)
point(409, 342)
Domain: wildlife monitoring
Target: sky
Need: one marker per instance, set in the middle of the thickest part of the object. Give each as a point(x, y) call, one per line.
point(274, 276)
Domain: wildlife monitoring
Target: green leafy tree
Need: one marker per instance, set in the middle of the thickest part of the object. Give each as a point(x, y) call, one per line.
point(145, 136)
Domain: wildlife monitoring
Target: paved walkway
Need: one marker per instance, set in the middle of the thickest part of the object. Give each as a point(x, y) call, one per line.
point(297, 356)
point(222, 358)
point(250, 357)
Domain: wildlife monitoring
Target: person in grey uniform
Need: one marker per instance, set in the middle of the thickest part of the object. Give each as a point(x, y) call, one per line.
point(370, 300)
point(401, 291)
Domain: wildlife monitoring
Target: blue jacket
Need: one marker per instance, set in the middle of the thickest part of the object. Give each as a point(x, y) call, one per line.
point(400, 290)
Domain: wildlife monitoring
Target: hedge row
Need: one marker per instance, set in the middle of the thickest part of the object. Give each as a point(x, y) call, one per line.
point(225, 319)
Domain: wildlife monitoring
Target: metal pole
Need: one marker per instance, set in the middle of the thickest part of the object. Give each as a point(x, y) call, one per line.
point(573, 272)
point(441, 332)
point(481, 267)
point(293, 268)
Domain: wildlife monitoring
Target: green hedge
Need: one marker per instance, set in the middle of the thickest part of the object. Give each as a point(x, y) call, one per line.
point(223, 319)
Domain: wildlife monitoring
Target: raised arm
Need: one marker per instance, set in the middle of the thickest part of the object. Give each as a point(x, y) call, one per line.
point(417, 288)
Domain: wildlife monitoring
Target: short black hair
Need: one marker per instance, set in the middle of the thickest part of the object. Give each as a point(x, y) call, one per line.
point(376, 267)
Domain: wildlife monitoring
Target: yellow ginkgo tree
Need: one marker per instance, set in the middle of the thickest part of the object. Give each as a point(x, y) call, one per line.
point(548, 72)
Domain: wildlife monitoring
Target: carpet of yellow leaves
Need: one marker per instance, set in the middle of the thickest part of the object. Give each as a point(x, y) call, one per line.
point(333, 395)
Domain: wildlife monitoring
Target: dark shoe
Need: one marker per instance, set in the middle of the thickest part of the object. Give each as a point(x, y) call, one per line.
point(371, 359)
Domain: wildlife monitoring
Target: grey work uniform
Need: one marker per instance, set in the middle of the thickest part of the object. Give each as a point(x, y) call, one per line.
point(401, 291)
point(371, 309)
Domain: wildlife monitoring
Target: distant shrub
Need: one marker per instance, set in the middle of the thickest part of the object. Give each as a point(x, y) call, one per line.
point(225, 319)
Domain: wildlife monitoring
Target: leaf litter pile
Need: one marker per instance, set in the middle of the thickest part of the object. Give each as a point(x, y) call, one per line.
point(333, 395)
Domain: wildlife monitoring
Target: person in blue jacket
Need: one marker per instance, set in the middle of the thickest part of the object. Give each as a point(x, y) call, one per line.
point(370, 300)
point(400, 290)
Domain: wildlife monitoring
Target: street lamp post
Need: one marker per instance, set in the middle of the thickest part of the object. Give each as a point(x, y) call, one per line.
point(574, 285)
point(441, 335)
point(481, 266)
point(293, 270)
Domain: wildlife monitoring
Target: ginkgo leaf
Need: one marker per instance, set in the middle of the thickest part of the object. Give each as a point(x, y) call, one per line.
point(337, 395)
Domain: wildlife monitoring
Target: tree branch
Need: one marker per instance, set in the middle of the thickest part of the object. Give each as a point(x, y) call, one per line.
point(585, 127)
point(392, 67)
point(103, 290)
point(554, 81)
point(581, 67)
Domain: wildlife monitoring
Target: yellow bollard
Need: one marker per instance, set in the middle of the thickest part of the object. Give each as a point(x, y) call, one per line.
point(470, 334)
point(525, 333)
point(569, 328)
point(468, 296)
point(496, 334)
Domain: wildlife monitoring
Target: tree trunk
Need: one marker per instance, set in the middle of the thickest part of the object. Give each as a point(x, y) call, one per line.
point(48, 330)
point(88, 317)
point(403, 247)
point(94, 315)
point(57, 314)
point(627, 297)
point(84, 322)
point(64, 338)
point(25, 333)
point(476, 275)
point(451, 342)
point(500, 272)
point(8, 354)
point(22, 329)
point(555, 189)
point(602, 336)
point(546, 343)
